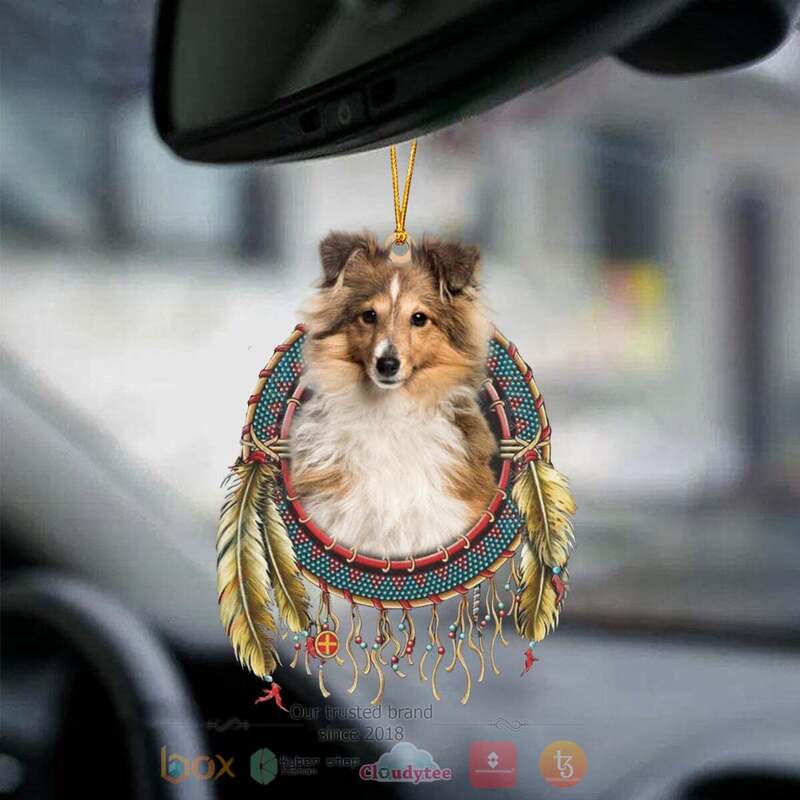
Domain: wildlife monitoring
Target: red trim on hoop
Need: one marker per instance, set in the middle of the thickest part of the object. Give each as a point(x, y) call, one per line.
point(253, 399)
point(290, 409)
point(538, 402)
point(377, 603)
point(281, 348)
point(265, 373)
point(405, 604)
point(500, 409)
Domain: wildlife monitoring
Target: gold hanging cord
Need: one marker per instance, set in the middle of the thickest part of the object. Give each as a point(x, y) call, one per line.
point(400, 209)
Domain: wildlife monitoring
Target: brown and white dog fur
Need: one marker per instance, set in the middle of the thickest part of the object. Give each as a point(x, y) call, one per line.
point(391, 453)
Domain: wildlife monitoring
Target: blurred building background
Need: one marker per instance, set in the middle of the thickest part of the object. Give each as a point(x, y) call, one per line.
point(641, 241)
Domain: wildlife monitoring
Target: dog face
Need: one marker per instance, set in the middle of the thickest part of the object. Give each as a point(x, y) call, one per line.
point(417, 328)
point(393, 331)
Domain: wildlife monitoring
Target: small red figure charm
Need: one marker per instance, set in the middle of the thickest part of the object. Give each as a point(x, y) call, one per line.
point(560, 587)
point(311, 647)
point(529, 659)
point(273, 693)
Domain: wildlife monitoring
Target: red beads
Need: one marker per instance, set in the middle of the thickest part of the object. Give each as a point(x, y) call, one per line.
point(440, 650)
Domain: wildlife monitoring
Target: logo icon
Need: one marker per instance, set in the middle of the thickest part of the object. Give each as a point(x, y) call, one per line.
point(563, 763)
point(176, 768)
point(493, 765)
point(405, 763)
point(326, 644)
point(263, 766)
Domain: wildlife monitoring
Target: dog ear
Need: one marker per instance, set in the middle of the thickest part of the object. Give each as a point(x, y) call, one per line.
point(454, 266)
point(338, 248)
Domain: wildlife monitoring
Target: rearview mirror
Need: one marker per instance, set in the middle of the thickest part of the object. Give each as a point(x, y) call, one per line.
point(238, 80)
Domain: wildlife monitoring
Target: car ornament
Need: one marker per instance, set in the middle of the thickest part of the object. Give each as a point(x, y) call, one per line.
point(268, 546)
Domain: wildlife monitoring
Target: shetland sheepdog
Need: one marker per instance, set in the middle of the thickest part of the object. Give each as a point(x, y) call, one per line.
point(390, 453)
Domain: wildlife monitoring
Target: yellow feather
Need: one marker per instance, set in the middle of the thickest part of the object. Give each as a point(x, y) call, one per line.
point(542, 495)
point(287, 585)
point(537, 613)
point(242, 577)
point(545, 502)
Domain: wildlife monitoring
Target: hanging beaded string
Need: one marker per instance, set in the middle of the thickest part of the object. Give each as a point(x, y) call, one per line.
point(308, 643)
point(297, 647)
point(353, 636)
point(428, 648)
point(476, 603)
point(487, 618)
point(454, 634)
point(401, 208)
point(383, 637)
point(376, 654)
point(458, 635)
point(359, 640)
point(398, 649)
point(406, 627)
point(434, 643)
point(511, 586)
point(478, 649)
point(498, 613)
point(322, 688)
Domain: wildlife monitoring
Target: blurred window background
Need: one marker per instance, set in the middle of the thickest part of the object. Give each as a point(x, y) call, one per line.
point(640, 240)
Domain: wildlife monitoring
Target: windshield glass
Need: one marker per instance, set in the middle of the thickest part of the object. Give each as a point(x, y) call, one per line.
point(640, 244)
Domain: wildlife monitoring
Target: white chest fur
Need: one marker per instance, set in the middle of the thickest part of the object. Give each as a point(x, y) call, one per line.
point(394, 458)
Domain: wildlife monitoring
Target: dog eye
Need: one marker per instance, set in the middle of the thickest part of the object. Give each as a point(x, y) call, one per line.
point(418, 319)
point(369, 316)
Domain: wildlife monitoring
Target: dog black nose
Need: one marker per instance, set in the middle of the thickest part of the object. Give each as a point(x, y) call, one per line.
point(388, 366)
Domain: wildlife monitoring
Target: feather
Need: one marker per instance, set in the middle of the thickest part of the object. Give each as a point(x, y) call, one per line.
point(538, 609)
point(287, 585)
point(541, 494)
point(545, 502)
point(243, 583)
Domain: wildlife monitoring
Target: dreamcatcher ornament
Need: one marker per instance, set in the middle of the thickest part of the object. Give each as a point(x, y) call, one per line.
point(510, 565)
